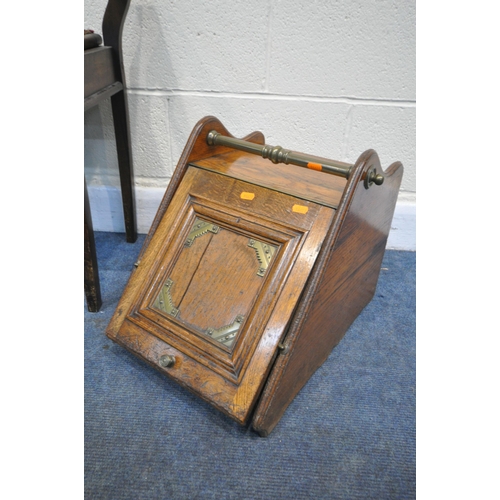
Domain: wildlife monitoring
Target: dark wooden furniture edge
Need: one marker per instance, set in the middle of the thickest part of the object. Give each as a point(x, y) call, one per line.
point(112, 28)
point(341, 284)
point(101, 82)
point(91, 271)
point(91, 40)
point(99, 71)
point(97, 97)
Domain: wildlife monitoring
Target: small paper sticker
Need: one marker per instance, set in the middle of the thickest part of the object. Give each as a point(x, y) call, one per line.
point(247, 196)
point(314, 166)
point(300, 209)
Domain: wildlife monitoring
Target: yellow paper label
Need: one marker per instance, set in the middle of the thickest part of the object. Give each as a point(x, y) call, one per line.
point(247, 196)
point(300, 209)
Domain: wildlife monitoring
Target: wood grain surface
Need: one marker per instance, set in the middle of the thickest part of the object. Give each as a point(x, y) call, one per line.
point(223, 283)
point(325, 189)
point(329, 237)
point(341, 285)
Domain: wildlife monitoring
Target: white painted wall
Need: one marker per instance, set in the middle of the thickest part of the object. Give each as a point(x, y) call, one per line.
point(330, 78)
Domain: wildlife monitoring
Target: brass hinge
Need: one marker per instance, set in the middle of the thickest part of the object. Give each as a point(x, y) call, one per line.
point(284, 347)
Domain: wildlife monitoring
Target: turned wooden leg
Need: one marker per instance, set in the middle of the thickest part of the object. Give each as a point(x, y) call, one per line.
point(91, 275)
point(124, 150)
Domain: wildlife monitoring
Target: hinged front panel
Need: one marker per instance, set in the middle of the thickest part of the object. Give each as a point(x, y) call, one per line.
point(214, 286)
point(217, 285)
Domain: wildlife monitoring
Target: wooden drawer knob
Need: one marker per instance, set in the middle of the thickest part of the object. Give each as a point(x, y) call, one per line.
point(166, 361)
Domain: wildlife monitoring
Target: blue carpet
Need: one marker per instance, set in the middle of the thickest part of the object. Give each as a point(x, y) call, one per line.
point(349, 434)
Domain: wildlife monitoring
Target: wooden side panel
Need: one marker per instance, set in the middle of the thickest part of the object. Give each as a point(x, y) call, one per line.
point(342, 283)
point(98, 70)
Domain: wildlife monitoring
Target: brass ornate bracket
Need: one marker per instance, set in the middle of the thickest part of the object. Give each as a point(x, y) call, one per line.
point(226, 334)
point(200, 227)
point(164, 300)
point(264, 253)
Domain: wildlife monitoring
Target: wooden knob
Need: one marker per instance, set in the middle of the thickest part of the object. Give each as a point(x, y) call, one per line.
point(166, 361)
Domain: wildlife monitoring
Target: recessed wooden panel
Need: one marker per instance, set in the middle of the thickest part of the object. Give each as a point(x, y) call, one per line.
point(215, 281)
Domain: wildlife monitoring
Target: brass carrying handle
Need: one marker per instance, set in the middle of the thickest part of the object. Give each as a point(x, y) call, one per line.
point(277, 154)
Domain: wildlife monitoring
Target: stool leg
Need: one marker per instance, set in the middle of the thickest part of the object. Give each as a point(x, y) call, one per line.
point(91, 274)
point(124, 150)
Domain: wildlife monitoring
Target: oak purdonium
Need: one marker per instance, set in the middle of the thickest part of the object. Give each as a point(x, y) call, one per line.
point(252, 272)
